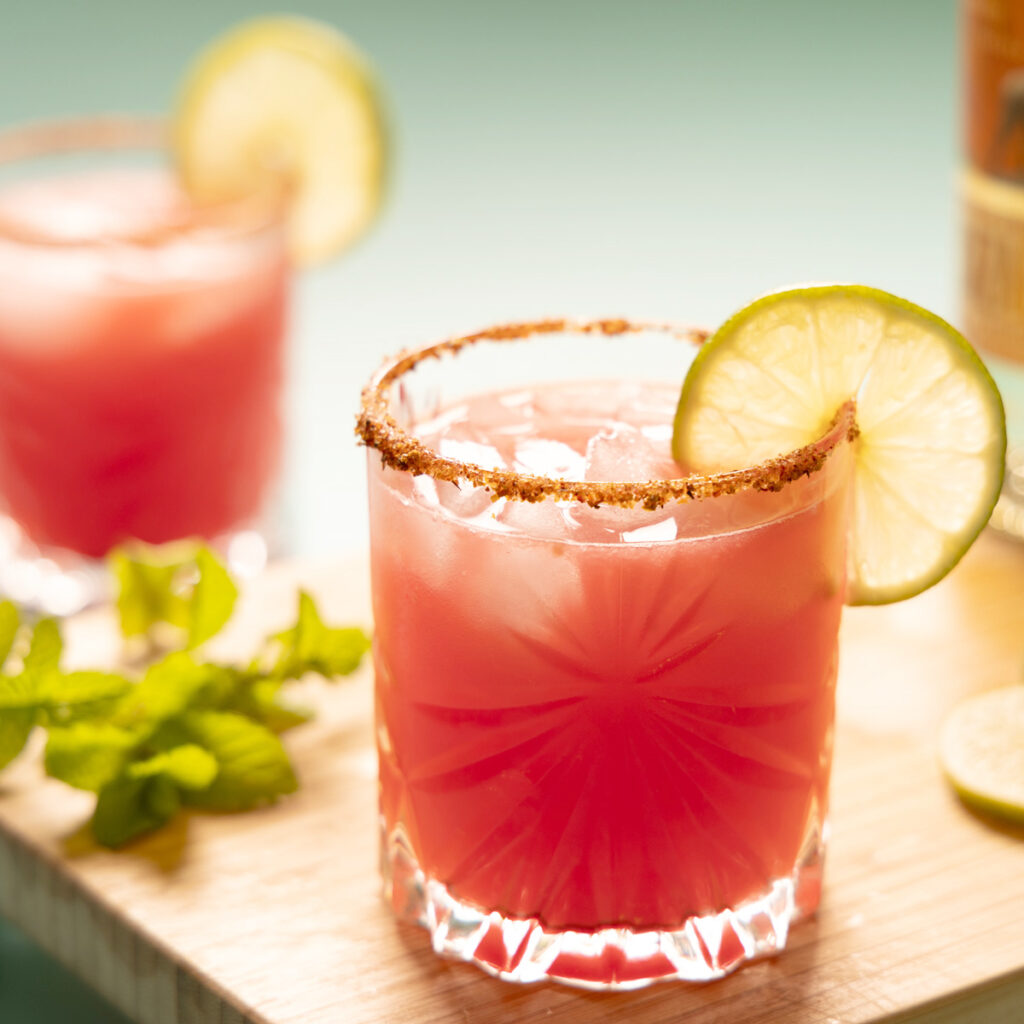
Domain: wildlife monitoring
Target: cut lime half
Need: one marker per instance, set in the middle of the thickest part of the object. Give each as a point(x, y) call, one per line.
point(288, 101)
point(932, 435)
point(982, 752)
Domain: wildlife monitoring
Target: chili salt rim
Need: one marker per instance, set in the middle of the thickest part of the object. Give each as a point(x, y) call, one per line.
point(401, 450)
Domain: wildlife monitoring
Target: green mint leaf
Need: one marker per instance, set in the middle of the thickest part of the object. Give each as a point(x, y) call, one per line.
point(67, 696)
point(187, 766)
point(18, 715)
point(19, 693)
point(169, 687)
point(258, 698)
point(9, 622)
point(311, 646)
point(224, 683)
point(43, 657)
point(253, 767)
point(212, 600)
point(129, 807)
point(60, 697)
point(185, 586)
point(280, 718)
point(264, 705)
point(88, 755)
point(15, 728)
point(146, 593)
point(162, 797)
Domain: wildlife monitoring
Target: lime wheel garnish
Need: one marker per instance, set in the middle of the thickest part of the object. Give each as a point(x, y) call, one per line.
point(930, 452)
point(285, 103)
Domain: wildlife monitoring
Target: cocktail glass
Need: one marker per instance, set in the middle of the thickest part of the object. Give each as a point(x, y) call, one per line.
point(141, 346)
point(604, 709)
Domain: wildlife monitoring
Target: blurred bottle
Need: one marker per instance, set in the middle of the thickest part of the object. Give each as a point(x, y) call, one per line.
point(992, 34)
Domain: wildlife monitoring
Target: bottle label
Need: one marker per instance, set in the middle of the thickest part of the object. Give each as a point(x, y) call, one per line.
point(993, 247)
point(993, 185)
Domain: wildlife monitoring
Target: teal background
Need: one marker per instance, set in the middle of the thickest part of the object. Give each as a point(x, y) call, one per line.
point(656, 159)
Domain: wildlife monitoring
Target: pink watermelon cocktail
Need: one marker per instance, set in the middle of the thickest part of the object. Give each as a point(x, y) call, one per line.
point(604, 732)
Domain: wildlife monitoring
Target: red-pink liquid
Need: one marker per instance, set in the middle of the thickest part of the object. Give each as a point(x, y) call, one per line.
point(603, 717)
point(139, 383)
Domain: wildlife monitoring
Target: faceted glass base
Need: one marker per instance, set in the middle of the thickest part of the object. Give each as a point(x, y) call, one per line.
point(54, 581)
point(618, 958)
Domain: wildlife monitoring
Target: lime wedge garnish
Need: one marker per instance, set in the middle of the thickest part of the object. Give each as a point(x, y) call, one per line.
point(285, 101)
point(982, 751)
point(929, 456)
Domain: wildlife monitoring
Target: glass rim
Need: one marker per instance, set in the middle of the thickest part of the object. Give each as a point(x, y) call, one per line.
point(401, 450)
point(242, 216)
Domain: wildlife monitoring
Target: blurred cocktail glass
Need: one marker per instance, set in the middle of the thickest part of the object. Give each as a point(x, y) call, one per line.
point(141, 346)
point(604, 689)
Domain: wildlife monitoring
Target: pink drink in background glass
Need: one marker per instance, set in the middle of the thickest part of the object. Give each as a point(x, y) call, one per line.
point(604, 733)
point(140, 365)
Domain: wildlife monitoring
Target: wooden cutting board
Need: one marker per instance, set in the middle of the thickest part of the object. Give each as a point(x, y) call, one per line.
point(276, 917)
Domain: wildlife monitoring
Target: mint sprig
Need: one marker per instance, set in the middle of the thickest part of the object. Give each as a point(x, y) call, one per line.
point(186, 731)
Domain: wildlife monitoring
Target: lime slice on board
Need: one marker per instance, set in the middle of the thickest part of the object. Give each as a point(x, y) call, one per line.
point(290, 102)
point(930, 453)
point(981, 747)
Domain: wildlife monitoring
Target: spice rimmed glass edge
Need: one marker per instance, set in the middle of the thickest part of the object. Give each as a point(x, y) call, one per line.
point(401, 449)
point(603, 763)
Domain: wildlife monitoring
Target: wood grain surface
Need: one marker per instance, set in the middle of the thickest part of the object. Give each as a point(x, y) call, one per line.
point(275, 916)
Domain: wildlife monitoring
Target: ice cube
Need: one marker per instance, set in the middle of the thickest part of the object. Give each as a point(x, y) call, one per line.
point(622, 453)
point(463, 500)
point(546, 519)
point(658, 433)
point(652, 409)
point(520, 400)
point(424, 489)
point(610, 523)
point(543, 456)
point(463, 450)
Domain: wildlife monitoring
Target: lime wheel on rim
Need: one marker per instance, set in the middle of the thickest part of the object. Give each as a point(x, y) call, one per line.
point(286, 101)
point(932, 438)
